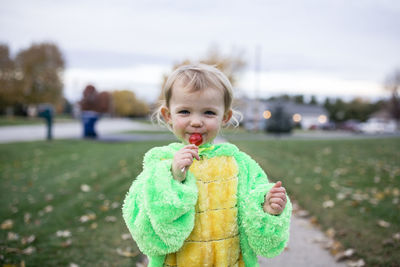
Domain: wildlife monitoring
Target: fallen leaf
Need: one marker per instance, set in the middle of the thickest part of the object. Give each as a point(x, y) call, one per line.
point(115, 205)
point(127, 252)
point(49, 197)
point(359, 263)
point(85, 188)
point(87, 217)
point(314, 220)
point(27, 217)
point(336, 248)
point(297, 180)
point(317, 187)
point(104, 207)
point(7, 224)
point(396, 192)
point(126, 236)
point(345, 254)
point(73, 265)
point(63, 233)
point(330, 233)
point(111, 219)
point(28, 239)
point(317, 169)
point(303, 213)
point(29, 250)
point(66, 243)
point(328, 204)
point(396, 236)
point(388, 242)
point(383, 223)
point(12, 236)
point(93, 226)
point(48, 209)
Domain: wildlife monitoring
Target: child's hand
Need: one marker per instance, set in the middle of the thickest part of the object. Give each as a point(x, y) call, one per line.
point(275, 200)
point(182, 160)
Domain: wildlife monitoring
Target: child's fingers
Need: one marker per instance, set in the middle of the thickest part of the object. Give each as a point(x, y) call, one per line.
point(276, 207)
point(277, 195)
point(277, 184)
point(278, 201)
point(193, 150)
point(278, 190)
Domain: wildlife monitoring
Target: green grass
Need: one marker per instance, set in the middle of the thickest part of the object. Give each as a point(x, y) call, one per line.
point(37, 175)
point(361, 177)
point(40, 174)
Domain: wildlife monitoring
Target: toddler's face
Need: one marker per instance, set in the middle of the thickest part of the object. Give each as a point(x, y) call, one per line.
point(196, 112)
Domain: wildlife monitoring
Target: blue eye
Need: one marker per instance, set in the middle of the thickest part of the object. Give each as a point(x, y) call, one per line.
point(183, 111)
point(209, 112)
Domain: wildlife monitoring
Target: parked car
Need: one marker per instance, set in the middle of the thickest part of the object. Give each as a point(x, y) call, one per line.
point(350, 125)
point(378, 125)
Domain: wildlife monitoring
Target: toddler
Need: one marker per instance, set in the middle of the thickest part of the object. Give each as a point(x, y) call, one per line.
point(202, 204)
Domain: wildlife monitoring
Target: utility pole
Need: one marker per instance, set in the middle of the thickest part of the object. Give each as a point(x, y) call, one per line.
point(257, 112)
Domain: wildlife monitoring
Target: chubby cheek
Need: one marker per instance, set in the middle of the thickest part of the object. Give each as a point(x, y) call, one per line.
point(179, 126)
point(213, 127)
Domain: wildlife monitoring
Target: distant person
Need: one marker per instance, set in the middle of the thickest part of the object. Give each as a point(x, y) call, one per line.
point(202, 204)
point(89, 113)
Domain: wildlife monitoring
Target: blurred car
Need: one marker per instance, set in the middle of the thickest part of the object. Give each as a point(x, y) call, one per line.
point(350, 125)
point(378, 125)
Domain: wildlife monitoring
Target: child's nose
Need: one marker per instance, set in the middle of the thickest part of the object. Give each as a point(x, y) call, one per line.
point(196, 122)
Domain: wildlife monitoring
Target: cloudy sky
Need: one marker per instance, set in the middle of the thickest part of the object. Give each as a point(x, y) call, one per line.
point(330, 48)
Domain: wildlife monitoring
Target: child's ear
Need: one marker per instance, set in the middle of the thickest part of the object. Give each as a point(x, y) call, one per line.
point(227, 116)
point(166, 114)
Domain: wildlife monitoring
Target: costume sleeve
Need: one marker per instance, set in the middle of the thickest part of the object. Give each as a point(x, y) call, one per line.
point(158, 210)
point(266, 234)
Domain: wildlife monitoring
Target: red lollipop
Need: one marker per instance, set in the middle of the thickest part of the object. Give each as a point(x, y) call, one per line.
point(196, 139)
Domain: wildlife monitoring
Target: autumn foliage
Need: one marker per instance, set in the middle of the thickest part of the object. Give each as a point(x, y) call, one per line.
point(32, 77)
point(126, 104)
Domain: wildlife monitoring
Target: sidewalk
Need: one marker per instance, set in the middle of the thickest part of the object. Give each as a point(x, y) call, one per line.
point(303, 249)
point(104, 127)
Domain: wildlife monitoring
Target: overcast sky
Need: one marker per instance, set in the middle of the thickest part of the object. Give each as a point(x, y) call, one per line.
point(331, 48)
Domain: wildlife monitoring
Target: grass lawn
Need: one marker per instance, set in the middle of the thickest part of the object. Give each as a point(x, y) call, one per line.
point(68, 195)
point(352, 187)
point(76, 187)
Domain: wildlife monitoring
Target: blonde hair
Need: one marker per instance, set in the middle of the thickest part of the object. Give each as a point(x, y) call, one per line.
point(198, 77)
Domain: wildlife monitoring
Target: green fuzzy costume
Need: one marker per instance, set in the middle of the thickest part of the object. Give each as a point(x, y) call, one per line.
point(160, 211)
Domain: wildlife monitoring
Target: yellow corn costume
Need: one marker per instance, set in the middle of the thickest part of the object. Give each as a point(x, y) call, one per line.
point(213, 218)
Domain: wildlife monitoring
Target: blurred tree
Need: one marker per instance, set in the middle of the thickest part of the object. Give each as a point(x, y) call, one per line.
point(230, 64)
point(9, 78)
point(126, 104)
point(89, 99)
point(299, 99)
point(336, 109)
point(92, 100)
point(392, 84)
point(356, 109)
point(313, 100)
point(280, 121)
point(40, 67)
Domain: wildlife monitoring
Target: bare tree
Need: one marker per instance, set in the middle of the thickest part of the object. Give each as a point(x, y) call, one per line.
point(230, 64)
point(392, 84)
